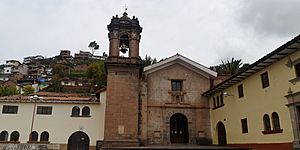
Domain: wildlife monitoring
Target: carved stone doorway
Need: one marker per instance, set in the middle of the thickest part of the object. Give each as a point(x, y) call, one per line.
point(179, 132)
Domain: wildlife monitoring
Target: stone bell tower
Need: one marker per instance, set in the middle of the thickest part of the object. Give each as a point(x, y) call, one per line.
point(123, 73)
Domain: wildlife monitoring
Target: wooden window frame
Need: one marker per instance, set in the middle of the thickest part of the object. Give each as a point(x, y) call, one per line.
point(176, 85)
point(244, 124)
point(241, 91)
point(265, 79)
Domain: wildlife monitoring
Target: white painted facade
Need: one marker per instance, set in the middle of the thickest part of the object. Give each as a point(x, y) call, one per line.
point(60, 124)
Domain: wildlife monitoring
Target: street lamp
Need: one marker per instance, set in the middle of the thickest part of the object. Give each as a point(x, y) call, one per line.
point(34, 98)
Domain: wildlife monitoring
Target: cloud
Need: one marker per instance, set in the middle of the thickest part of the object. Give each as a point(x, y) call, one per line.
point(270, 17)
point(205, 31)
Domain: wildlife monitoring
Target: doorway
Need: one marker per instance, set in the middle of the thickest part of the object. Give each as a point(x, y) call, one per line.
point(79, 141)
point(179, 132)
point(222, 141)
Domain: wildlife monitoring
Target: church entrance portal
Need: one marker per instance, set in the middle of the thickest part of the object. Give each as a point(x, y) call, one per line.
point(78, 141)
point(179, 132)
point(221, 134)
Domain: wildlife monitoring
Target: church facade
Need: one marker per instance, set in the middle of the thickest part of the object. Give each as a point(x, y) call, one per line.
point(158, 105)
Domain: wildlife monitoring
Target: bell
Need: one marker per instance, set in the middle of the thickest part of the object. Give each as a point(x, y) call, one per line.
point(123, 48)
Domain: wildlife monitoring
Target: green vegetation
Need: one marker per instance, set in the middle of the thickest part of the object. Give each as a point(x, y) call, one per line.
point(96, 74)
point(229, 67)
point(28, 89)
point(58, 72)
point(148, 61)
point(93, 46)
point(8, 90)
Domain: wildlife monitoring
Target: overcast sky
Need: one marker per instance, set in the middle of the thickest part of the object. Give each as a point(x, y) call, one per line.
point(206, 31)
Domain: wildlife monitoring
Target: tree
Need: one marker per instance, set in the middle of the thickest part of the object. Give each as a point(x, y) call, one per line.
point(28, 89)
point(93, 46)
point(8, 90)
point(59, 71)
point(96, 74)
point(148, 61)
point(229, 67)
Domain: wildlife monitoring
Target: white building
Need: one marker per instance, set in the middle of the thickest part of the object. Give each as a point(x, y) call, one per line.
point(55, 120)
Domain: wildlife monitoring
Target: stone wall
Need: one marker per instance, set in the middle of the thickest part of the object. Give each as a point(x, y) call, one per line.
point(159, 104)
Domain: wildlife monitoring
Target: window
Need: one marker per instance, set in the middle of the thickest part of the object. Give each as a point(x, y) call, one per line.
point(275, 121)
point(221, 99)
point(44, 136)
point(241, 91)
point(8, 109)
point(297, 69)
point(176, 85)
point(275, 124)
point(214, 102)
point(14, 136)
point(244, 125)
point(218, 101)
point(4, 136)
point(34, 136)
point(75, 111)
point(265, 79)
point(267, 124)
point(85, 111)
point(45, 110)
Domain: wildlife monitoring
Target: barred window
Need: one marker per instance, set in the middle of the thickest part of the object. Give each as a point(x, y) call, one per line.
point(8, 109)
point(176, 85)
point(44, 110)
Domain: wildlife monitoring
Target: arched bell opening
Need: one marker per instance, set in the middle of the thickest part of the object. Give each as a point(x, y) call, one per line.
point(124, 46)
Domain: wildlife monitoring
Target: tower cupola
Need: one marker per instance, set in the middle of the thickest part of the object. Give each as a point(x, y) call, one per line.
point(124, 36)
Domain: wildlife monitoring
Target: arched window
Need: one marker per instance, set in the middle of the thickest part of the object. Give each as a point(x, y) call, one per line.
point(275, 121)
point(86, 111)
point(34, 136)
point(44, 136)
point(14, 136)
point(267, 124)
point(75, 111)
point(4, 136)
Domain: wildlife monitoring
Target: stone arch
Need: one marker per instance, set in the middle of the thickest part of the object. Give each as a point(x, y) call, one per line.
point(179, 130)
